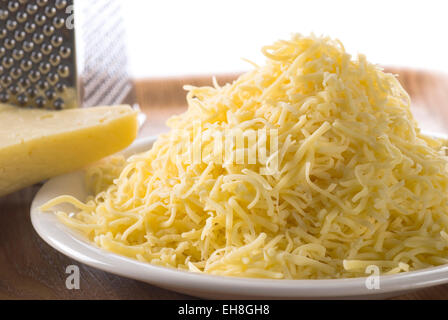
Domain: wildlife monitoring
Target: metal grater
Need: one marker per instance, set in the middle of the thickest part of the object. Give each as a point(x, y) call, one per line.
point(58, 54)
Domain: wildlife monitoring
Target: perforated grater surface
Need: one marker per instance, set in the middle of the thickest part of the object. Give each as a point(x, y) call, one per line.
point(58, 54)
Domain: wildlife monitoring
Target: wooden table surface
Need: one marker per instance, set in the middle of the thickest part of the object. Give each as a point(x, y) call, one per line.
point(30, 269)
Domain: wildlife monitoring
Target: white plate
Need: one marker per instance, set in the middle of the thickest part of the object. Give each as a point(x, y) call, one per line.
point(74, 245)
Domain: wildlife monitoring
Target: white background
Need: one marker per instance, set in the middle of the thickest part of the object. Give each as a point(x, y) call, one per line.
point(174, 38)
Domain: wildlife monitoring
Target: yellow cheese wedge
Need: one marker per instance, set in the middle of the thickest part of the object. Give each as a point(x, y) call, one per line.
point(39, 144)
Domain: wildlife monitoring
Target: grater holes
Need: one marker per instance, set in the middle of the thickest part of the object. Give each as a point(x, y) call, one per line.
point(36, 56)
point(14, 89)
point(7, 62)
point(44, 67)
point(60, 87)
point(26, 65)
point(50, 11)
point(32, 35)
point(34, 75)
point(5, 80)
point(53, 79)
point(9, 43)
point(17, 54)
point(58, 22)
point(48, 30)
point(16, 73)
point(24, 83)
point(64, 51)
point(28, 46)
point(4, 14)
point(40, 101)
point(60, 4)
point(42, 3)
point(32, 92)
point(46, 48)
point(19, 35)
point(31, 8)
point(42, 85)
point(13, 6)
point(22, 99)
point(54, 59)
point(50, 94)
point(58, 104)
point(21, 16)
point(56, 41)
point(4, 96)
point(40, 19)
point(38, 38)
point(30, 27)
point(11, 25)
point(63, 71)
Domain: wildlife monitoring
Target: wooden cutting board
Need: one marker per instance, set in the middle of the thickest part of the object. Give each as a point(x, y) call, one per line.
point(30, 269)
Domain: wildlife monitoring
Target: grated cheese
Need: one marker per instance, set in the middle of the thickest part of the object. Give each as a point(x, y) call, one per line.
point(357, 183)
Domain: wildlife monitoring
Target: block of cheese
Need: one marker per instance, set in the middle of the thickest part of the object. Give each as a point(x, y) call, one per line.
point(39, 144)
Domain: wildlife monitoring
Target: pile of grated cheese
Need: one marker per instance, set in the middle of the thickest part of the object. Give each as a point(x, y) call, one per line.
point(357, 184)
